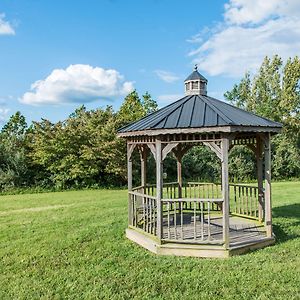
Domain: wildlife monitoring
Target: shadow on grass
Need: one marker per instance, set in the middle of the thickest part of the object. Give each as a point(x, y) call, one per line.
point(292, 214)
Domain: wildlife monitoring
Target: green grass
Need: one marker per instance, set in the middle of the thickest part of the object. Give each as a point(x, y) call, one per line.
point(71, 245)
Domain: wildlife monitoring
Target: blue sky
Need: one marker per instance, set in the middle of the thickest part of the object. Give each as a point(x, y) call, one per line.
point(57, 55)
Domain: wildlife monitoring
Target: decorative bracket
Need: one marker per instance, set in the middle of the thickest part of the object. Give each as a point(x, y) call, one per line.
point(215, 148)
point(143, 150)
point(130, 148)
point(167, 149)
point(152, 148)
point(181, 150)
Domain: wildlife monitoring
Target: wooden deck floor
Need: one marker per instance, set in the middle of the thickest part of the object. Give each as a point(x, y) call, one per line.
point(241, 231)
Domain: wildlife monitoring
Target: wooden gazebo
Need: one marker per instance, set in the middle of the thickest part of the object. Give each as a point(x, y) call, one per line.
point(196, 218)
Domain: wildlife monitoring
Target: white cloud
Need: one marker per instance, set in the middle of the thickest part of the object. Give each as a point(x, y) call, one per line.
point(5, 27)
point(250, 31)
point(77, 84)
point(166, 76)
point(3, 114)
point(255, 11)
point(168, 98)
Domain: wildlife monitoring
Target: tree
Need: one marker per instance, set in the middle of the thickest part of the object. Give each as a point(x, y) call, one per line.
point(13, 153)
point(149, 104)
point(79, 151)
point(274, 93)
point(84, 149)
point(131, 109)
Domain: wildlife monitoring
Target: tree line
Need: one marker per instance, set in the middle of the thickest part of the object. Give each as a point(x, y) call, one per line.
point(84, 151)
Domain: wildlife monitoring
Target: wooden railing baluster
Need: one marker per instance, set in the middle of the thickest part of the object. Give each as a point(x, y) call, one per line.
point(195, 216)
point(175, 220)
point(181, 218)
point(208, 221)
point(169, 233)
point(202, 222)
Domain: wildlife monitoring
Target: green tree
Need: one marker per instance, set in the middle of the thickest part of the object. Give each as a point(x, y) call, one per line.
point(81, 151)
point(84, 149)
point(14, 168)
point(241, 93)
point(131, 109)
point(274, 93)
point(149, 104)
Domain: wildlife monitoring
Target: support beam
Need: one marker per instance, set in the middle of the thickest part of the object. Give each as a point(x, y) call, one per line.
point(268, 200)
point(179, 152)
point(129, 178)
point(159, 186)
point(143, 149)
point(259, 165)
point(225, 190)
point(179, 177)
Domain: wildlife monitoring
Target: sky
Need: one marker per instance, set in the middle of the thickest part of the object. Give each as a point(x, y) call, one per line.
point(57, 55)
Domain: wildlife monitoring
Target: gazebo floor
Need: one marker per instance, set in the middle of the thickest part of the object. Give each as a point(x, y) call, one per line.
point(245, 235)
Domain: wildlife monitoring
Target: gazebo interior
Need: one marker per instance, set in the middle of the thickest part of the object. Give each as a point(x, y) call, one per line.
point(217, 219)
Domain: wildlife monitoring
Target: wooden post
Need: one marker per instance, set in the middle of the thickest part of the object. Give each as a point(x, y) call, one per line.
point(159, 186)
point(179, 152)
point(268, 202)
point(179, 176)
point(129, 176)
point(259, 164)
point(225, 190)
point(143, 156)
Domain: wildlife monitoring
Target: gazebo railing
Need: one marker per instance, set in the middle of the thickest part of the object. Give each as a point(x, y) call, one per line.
point(192, 220)
point(244, 200)
point(196, 216)
point(202, 189)
point(143, 212)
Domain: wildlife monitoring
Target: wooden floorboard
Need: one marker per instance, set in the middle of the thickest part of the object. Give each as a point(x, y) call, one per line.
point(241, 230)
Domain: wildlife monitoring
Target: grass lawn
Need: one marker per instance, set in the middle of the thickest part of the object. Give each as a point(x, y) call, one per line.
point(71, 245)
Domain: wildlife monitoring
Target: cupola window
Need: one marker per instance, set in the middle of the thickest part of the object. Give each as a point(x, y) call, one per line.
point(195, 85)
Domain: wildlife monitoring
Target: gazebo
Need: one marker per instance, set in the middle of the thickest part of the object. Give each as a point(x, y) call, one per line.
point(199, 219)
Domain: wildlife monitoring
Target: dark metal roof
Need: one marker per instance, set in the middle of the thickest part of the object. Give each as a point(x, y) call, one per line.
point(196, 76)
point(198, 111)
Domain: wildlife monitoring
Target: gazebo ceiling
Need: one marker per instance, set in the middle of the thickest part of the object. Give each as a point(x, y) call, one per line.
point(199, 112)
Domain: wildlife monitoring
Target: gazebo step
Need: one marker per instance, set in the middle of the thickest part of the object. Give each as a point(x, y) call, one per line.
point(247, 246)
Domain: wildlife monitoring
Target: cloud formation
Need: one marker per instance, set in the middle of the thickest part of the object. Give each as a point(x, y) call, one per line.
point(77, 84)
point(168, 98)
point(250, 30)
point(5, 27)
point(166, 76)
point(3, 114)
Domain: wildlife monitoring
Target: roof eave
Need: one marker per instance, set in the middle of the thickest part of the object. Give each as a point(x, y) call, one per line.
point(215, 129)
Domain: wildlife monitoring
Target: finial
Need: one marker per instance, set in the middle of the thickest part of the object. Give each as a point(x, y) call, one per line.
point(196, 67)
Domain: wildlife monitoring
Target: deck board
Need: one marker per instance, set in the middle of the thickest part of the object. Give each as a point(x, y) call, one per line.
point(241, 230)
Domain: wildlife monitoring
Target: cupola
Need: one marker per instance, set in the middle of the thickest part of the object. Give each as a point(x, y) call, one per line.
point(195, 84)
